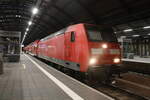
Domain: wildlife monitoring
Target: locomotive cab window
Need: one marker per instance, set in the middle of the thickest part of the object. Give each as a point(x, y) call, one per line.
point(72, 36)
point(96, 34)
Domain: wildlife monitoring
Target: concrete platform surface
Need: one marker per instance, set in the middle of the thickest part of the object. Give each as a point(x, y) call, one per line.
point(138, 59)
point(31, 79)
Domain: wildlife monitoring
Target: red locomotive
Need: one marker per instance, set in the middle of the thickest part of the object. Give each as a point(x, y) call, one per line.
point(85, 48)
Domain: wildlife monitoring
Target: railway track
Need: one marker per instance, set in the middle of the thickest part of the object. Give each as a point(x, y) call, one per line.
point(118, 93)
point(113, 90)
point(134, 83)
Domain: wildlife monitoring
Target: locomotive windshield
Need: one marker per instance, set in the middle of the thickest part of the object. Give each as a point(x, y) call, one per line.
point(97, 34)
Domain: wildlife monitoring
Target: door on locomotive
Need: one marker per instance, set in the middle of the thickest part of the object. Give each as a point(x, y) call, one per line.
point(70, 45)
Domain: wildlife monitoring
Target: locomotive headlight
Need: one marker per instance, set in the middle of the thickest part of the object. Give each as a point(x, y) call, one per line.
point(116, 60)
point(104, 46)
point(92, 61)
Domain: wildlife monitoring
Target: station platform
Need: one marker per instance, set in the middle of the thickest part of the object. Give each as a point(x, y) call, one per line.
point(138, 64)
point(31, 79)
point(138, 59)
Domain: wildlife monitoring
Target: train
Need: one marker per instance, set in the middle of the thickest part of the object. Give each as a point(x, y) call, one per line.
point(91, 50)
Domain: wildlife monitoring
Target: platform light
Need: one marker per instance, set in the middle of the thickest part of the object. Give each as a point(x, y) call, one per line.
point(123, 36)
point(18, 16)
point(8, 39)
point(34, 11)
point(148, 34)
point(25, 33)
point(27, 29)
point(128, 30)
point(135, 35)
point(29, 23)
point(146, 27)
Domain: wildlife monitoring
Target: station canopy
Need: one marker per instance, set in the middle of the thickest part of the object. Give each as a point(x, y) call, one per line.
point(127, 17)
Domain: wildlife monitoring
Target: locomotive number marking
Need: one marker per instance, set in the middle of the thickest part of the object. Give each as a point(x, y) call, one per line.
point(97, 51)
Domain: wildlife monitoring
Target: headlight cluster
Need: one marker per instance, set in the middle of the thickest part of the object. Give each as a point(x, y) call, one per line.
point(116, 60)
point(104, 46)
point(92, 61)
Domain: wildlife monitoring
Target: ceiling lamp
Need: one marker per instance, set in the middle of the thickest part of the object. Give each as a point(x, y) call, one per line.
point(135, 35)
point(146, 27)
point(29, 23)
point(34, 11)
point(128, 30)
point(27, 29)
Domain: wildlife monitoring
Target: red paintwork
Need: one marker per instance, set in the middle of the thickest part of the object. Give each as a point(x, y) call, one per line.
point(60, 47)
point(27, 48)
point(32, 47)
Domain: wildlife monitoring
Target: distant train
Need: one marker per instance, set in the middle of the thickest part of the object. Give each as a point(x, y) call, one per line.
point(89, 49)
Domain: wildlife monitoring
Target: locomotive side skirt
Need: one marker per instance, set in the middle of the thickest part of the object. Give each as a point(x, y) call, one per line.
point(68, 64)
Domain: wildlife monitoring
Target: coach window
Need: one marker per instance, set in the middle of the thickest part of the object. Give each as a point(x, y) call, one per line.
point(72, 36)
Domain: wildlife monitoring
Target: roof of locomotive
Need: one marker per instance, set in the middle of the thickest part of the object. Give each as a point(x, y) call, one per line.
point(62, 31)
